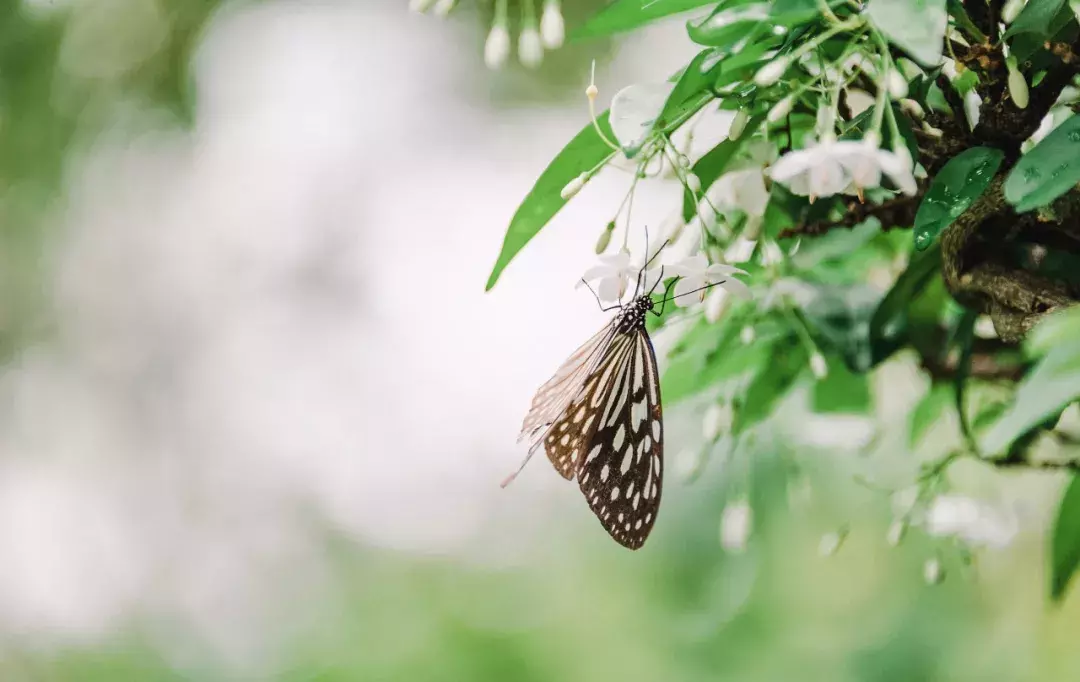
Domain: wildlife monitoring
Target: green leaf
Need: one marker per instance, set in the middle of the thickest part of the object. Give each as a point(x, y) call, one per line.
point(842, 391)
point(960, 16)
point(715, 162)
point(1029, 46)
point(1065, 544)
point(1062, 327)
point(584, 153)
point(794, 12)
point(915, 26)
point(927, 412)
point(725, 27)
point(1044, 393)
point(624, 15)
point(767, 386)
point(1049, 170)
point(1036, 17)
point(954, 189)
point(889, 324)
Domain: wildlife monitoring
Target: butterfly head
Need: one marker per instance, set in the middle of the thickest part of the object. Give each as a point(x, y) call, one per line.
point(632, 315)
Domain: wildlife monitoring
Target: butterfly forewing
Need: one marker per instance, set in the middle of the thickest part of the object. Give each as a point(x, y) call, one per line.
point(622, 469)
point(565, 441)
point(552, 399)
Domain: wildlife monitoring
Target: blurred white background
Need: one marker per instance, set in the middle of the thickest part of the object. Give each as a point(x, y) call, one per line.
point(277, 321)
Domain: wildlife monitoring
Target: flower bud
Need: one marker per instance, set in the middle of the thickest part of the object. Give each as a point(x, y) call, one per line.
point(716, 419)
point(591, 91)
point(1018, 87)
point(896, 84)
point(605, 238)
point(933, 572)
point(819, 366)
point(736, 522)
point(831, 542)
point(573, 187)
point(716, 304)
point(694, 183)
point(738, 124)
point(896, 533)
point(771, 72)
point(443, 7)
point(530, 50)
point(781, 109)
point(747, 335)
point(552, 28)
point(497, 47)
point(420, 6)
point(913, 108)
point(1011, 10)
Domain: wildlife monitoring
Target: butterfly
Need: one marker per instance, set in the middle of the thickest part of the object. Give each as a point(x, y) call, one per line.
point(600, 420)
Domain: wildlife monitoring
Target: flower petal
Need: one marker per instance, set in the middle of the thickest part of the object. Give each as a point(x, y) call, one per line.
point(898, 170)
point(634, 110)
point(609, 289)
point(737, 287)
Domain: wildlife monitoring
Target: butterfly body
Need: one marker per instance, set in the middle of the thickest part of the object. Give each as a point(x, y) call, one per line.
point(599, 420)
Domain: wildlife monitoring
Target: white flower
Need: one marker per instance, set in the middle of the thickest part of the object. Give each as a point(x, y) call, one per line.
point(497, 47)
point(695, 274)
point(743, 190)
point(530, 50)
point(617, 274)
point(552, 29)
point(814, 171)
point(974, 522)
point(819, 366)
point(864, 163)
point(736, 521)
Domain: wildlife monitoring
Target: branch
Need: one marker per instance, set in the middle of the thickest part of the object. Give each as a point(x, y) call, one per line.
point(986, 366)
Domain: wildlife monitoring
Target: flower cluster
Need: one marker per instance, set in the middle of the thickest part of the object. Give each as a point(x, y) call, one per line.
point(617, 274)
point(533, 38)
point(844, 166)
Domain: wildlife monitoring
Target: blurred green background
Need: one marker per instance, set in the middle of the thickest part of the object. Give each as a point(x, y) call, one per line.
point(137, 544)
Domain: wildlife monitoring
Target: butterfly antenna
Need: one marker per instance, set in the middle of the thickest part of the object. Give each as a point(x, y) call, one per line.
point(699, 289)
point(637, 287)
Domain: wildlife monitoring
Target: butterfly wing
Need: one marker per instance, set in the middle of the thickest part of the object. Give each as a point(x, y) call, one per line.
point(622, 469)
point(565, 440)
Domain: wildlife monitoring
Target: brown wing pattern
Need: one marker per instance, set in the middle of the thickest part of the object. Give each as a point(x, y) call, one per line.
point(565, 440)
point(622, 470)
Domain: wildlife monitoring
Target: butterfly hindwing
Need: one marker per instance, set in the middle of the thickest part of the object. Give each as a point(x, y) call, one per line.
point(622, 469)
